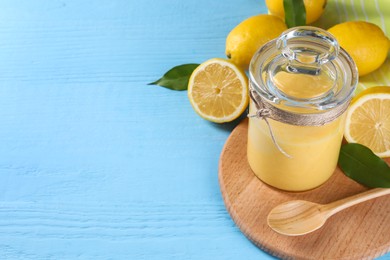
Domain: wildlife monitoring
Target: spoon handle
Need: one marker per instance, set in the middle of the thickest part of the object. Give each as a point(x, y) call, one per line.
point(336, 206)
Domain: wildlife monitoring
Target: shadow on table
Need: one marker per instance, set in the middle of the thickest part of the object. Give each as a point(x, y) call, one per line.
point(228, 127)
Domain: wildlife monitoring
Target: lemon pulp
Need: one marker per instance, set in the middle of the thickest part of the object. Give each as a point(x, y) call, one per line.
point(218, 90)
point(368, 120)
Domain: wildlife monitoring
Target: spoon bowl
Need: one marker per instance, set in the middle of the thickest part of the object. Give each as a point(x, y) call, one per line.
point(299, 217)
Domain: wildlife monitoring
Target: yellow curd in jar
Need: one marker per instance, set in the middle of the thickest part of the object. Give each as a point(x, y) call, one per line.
point(314, 150)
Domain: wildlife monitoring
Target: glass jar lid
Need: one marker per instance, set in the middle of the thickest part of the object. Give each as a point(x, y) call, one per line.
point(304, 69)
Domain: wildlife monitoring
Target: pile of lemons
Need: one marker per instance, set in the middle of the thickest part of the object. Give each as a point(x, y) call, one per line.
point(218, 88)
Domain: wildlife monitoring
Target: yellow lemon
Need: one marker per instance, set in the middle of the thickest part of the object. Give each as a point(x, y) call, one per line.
point(314, 9)
point(368, 120)
point(365, 42)
point(218, 90)
point(244, 40)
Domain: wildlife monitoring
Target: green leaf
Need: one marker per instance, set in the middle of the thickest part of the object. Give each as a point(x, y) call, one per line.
point(362, 165)
point(295, 13)
point(176, 78)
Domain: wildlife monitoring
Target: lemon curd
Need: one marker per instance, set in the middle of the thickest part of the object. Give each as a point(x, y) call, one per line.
point(305, 75)
point(314, 150)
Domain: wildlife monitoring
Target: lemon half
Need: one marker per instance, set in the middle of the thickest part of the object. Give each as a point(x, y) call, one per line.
point(368, 120)
point(218, 90)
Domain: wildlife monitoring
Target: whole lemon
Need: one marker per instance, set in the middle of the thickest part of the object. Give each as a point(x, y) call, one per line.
point(244, 40)
point(314, 8)
point(365, 42)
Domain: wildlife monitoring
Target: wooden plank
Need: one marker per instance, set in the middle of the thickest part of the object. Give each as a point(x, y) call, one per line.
point(94, 163)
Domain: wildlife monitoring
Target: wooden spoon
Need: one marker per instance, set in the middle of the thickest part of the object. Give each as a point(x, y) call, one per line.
point(299, 217)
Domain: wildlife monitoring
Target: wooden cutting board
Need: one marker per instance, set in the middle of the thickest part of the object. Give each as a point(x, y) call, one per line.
point(360, 232)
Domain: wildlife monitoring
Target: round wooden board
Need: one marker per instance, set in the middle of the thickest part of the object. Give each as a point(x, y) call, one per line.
point(360, 232)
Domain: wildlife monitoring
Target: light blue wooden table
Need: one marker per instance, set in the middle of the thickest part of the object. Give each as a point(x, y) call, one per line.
point(94, 163)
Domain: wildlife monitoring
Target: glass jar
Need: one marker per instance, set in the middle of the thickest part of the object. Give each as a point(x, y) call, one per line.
point(300, 85)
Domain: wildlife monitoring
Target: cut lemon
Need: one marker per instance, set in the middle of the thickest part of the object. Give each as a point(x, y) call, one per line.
point(218, 90)
point(368, 120)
